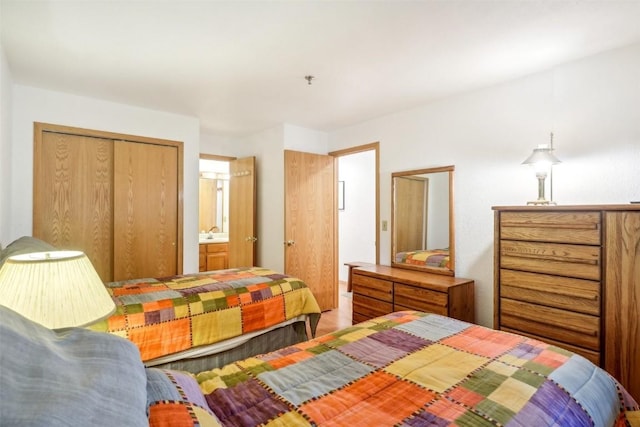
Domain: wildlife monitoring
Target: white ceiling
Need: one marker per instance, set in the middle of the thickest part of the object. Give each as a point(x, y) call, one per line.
point(239, 66)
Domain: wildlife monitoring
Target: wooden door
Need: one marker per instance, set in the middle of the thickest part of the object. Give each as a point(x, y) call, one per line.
point(145, 210)
point(242, 212)
point(410, 194)
point(310, 218)
point(72, 198)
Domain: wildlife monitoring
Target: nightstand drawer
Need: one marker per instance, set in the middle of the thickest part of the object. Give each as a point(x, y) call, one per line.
point(561, 227)
point(561, 325)
point(554, 291)
point(373, 287)
point(414, 298)
point(551, 258)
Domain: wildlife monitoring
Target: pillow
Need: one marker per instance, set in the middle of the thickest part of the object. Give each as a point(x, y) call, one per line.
point(71, 377)
point(25, 245)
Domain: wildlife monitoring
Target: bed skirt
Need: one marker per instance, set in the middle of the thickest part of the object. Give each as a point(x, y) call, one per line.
point(275, 339)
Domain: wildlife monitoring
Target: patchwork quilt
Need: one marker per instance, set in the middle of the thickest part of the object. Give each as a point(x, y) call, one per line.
point(429, 258)
point(163, 316)
point(409, 369)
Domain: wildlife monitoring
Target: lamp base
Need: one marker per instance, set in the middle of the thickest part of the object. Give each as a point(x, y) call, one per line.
point(541, 203)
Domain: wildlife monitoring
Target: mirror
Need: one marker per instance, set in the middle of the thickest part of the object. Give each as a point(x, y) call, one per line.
point(213, 197)
point(422, 226)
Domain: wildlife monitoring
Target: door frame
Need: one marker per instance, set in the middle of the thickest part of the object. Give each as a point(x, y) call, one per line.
point(373, 146)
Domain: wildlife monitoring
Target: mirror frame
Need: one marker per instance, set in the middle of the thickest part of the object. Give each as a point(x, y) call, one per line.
point(436, 270)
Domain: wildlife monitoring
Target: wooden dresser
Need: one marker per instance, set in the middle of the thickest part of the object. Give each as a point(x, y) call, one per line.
point(570, 275)
point(380, 289)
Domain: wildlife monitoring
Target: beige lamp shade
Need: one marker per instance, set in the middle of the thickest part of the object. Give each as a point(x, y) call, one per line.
point(58, 289)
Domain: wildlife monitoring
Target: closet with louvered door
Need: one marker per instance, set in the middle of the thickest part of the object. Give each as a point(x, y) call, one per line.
point(113, 196)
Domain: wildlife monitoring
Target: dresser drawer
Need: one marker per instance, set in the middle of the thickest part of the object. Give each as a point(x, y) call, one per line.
point(365, 308)
point(551, 258)
point(554, 291)
point(561, 227)
point(413, 298)
point(373, 287)
point(561, 325)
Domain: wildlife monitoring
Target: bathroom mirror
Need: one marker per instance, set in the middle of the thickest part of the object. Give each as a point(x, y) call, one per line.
point(213, 196)
point(422, 226)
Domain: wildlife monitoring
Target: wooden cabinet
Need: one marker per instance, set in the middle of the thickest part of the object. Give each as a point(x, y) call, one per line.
point(379, 289)
point(214, 256)
point(570, 275)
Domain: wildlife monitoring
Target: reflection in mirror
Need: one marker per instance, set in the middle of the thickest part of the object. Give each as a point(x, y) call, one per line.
point(422, 228)
point(214, 196)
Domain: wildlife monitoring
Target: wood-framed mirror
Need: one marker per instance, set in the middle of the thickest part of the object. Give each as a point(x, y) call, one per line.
point(422, 220)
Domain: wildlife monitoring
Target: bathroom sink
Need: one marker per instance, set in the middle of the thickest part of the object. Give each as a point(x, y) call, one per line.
point(214, 237)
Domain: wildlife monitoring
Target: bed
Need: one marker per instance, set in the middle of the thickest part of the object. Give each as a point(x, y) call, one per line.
point(415, 369)
point(199, 321)
point(425, 257)
point(405, 368)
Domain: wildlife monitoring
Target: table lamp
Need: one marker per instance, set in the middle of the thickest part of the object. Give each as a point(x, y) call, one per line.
point(541, 160)
point(58, 289)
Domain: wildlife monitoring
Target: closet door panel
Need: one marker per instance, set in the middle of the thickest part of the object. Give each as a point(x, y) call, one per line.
point(73, 196)
point(145, 210)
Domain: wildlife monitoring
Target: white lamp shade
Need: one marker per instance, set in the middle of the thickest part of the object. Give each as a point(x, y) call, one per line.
point(542, 157)
point(58, 289)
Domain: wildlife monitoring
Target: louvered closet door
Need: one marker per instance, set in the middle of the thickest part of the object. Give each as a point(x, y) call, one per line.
point(72, 203)
point(145, 210)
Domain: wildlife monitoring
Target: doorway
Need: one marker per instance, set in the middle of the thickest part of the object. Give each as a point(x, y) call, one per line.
point(358, 206)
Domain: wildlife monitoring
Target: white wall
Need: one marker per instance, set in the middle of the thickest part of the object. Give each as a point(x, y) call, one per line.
point(592, 107)
point(218, 145)
point(5, 149)
point(357, 222)
point(36, 105)
point(267, 146)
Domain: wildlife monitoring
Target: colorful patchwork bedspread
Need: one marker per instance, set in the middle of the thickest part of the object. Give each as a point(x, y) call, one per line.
point(429, 258)
point(167, 315)
point(405, 369)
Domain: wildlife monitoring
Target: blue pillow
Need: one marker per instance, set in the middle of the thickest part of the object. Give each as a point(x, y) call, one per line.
point(71, 377)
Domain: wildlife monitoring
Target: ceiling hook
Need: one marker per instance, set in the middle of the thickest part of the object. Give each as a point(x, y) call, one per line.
point(309, 78)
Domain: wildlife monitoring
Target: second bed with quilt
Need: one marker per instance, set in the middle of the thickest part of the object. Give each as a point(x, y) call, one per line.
point(198, 321)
